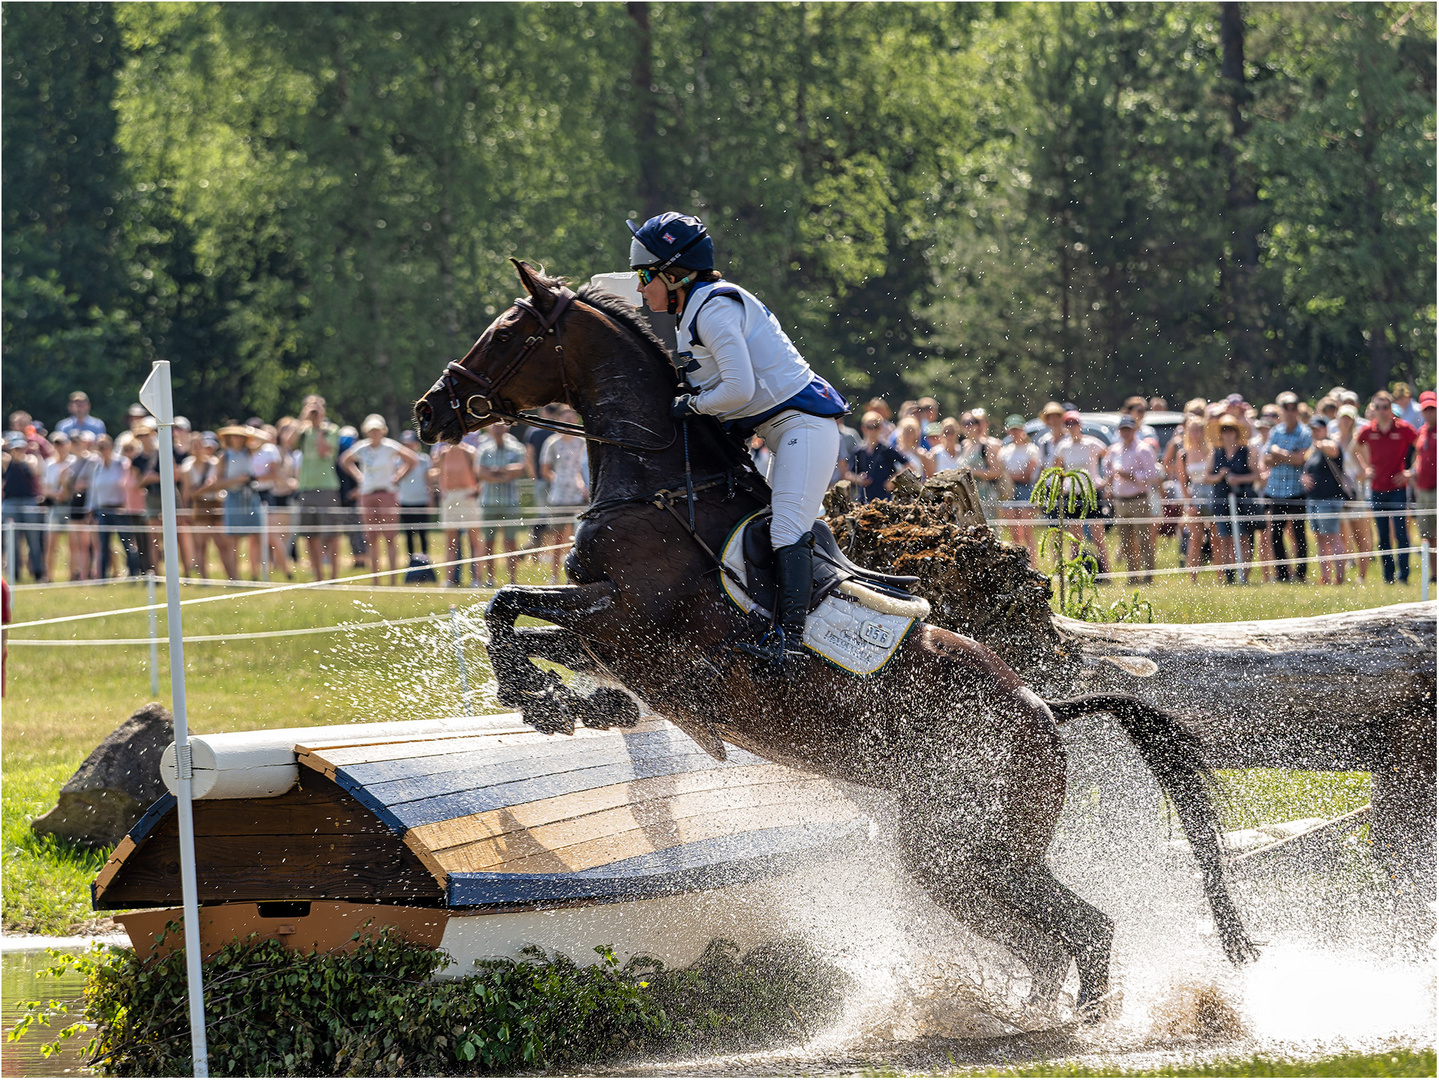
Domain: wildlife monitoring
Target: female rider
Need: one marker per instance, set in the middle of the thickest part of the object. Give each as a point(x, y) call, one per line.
point(739, 366)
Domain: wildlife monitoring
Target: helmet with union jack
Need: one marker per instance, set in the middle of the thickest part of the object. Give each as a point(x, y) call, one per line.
point(671, 241)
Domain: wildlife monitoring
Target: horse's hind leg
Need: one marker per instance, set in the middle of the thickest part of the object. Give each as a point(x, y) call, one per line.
point(1083, 930)
point(964, 885)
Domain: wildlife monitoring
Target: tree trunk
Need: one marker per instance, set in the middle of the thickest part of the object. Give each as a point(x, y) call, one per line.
point(1347, 692)
point(1353, 691)
point(1245, 315)
point(651, 191)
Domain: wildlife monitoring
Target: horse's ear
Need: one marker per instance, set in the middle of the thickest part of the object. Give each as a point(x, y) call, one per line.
point(537, 291)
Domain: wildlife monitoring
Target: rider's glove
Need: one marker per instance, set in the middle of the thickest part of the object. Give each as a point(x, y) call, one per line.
point(683, 407)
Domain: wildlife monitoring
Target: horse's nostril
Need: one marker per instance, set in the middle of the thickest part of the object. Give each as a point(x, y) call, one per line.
point(423, 412)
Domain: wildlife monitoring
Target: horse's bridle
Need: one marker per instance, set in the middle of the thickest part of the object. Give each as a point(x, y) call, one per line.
point(485, 402)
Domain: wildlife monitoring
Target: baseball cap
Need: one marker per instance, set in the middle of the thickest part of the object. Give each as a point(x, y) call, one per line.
point(15, 439)
point(1126, 421)
point(1287, 398)
point(1071, 415)
point(1318, 420)
point(80, 395)
point(1349, 411)
point(1013, 420)
point(1427, 400)
point(137, 410)
point(1054, 408)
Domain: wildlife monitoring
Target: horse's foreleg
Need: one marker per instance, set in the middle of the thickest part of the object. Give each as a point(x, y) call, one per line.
point(540, 695)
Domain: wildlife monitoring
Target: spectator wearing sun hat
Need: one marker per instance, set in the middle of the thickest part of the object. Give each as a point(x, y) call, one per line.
point(1020, 459)
point(1131, 466)
point(1285, 453)
point(1053, 416)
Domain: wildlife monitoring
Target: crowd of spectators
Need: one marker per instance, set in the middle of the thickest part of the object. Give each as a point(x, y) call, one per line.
point(1238, 484)
point(264, 497)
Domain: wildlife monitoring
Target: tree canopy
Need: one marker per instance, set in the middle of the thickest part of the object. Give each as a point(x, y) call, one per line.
point(994, 203)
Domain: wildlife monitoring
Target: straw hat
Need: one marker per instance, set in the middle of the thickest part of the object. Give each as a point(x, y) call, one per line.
point(243, 430)
point(1214, 431)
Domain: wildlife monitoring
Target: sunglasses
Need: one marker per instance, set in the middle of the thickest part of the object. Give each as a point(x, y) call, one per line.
point(1384, 405)
point(647, 274)
point(1071, 423)
point(872, 427)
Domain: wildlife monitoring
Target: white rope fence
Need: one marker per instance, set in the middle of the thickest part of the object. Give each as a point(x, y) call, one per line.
point(438, 617)
point(257, 589)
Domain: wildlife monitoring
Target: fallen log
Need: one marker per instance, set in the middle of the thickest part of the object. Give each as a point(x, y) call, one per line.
point(1351, 691)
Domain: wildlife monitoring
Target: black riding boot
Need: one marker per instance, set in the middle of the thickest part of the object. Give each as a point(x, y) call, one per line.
point(783, 648)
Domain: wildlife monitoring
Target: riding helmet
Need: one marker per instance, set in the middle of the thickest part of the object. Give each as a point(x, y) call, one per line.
point(671, 240)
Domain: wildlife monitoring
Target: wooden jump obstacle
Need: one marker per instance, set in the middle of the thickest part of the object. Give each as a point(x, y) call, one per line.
point(437, 827)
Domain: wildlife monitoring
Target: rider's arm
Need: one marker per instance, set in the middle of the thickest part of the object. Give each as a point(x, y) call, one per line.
point(722, 330)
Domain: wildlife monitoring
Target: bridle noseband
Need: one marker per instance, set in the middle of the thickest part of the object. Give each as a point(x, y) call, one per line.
point(486, 402)
point(487, 387)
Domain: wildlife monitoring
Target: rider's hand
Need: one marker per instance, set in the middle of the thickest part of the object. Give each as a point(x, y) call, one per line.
point(683, 407)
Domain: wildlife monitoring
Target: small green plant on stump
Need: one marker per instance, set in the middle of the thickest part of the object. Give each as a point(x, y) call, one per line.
point(1065, 494)
point(1069, 493)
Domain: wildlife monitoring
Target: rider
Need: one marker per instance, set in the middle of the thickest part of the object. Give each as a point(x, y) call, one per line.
point(739, 365)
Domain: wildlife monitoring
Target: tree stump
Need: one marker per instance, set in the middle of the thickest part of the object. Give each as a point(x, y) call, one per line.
point(1354, 691)
point(115, 785)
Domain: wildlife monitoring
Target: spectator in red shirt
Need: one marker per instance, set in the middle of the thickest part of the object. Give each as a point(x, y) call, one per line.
point(1424, 459)
point(1383, 450)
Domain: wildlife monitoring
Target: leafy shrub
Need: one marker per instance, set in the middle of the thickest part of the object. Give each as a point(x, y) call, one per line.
point(379, 1011)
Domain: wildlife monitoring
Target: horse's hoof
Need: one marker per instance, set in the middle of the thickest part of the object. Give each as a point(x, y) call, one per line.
point(549, 713)
point(609, 707)
point(1100, 1009)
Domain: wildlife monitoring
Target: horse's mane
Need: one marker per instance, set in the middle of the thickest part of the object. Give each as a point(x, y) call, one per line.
point(727, 447)
point(625, 314)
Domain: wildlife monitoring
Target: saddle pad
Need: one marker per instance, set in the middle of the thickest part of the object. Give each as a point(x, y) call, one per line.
point(841, 630)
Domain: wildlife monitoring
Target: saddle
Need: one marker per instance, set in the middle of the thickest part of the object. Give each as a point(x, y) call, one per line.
point(833, 572)
point(858, 618)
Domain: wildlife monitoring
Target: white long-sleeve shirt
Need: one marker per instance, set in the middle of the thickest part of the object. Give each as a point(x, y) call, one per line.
point(743, 364)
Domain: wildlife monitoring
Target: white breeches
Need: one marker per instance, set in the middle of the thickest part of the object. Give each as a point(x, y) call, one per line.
point(805, 449)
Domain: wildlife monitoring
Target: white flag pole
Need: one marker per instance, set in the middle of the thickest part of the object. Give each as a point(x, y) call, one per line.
point(155, 396)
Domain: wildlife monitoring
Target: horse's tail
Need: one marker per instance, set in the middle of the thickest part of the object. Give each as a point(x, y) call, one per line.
point(1176, 757)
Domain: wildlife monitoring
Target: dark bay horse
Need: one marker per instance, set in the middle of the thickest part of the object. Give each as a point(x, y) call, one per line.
point(973, 756)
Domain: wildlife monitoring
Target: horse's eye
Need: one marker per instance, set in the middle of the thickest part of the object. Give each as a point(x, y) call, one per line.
point(502, 336)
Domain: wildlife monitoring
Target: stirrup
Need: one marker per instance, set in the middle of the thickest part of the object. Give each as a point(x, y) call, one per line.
point(777, 658)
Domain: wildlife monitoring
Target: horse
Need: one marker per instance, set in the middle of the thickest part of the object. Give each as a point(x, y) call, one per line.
point(973, 757)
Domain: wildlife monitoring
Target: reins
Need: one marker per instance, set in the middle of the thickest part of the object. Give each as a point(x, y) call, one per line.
point(486, 402)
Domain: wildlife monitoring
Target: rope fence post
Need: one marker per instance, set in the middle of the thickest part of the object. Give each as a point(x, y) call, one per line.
point(264, 540)
point(1424, 550)
point(1234, 531)
point(10, 574)
point(154, 639)
point(458, 635)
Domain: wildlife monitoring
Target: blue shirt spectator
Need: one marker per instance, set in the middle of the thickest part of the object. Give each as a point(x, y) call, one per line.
point(80, 419)
point(1286, 481)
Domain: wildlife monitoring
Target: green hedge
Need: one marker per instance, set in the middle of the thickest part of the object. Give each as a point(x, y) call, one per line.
point(378, 1011)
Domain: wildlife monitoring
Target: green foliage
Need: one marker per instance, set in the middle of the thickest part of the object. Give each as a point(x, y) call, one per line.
point(378, 1010)
point(997, 203)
